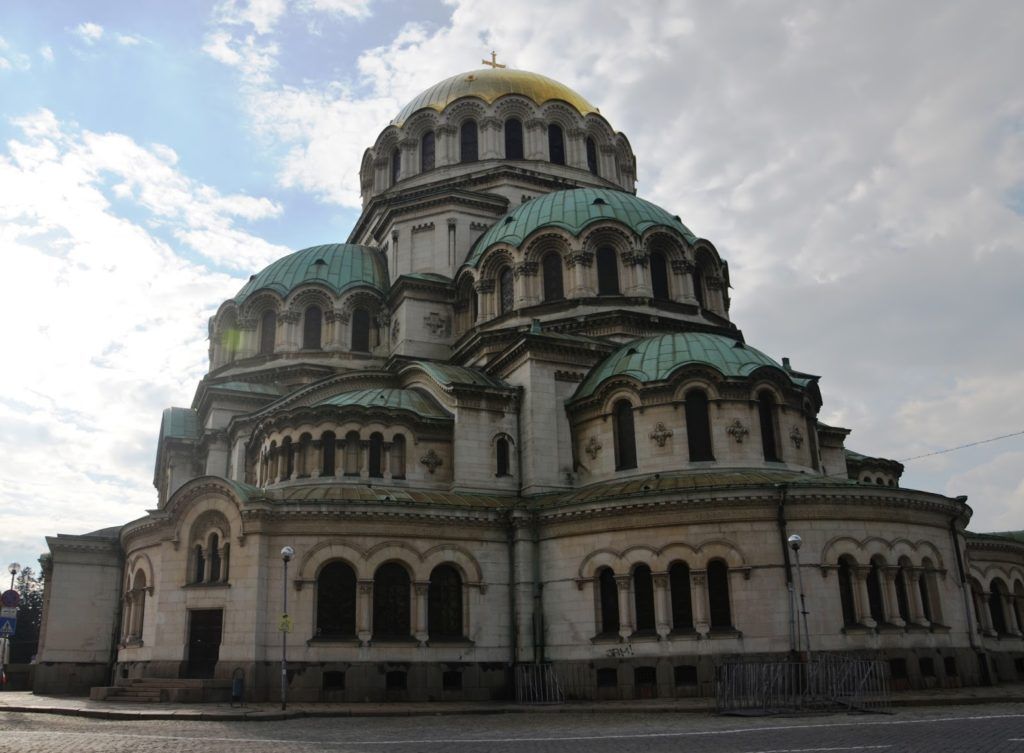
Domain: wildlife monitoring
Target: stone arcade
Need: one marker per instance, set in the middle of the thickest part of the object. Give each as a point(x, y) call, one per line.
point(510, 420)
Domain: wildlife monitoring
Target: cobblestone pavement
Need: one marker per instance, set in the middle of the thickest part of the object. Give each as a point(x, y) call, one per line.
point(935, 730)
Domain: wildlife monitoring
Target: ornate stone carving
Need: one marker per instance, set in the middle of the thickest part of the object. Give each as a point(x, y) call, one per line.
point(593, 447)
point(636, 258)
point(737, 431)
point(291, 317)
point(525, 269)
point(715, 282)
point(682, 266)
point(423, 227)
point(485, 286)
point(796, 437)
point(661, 434)
point(582, 258)
point(439, 326)
point(396, 328)
point(432, 461)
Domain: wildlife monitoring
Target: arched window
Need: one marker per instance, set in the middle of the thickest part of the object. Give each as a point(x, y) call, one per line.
point(506, 292)
point(659, 276)
point(643, 599)
point(925, 591)
point(289, 458)
point(766, 413)
point(361, 330)
point(812, 441)
point(698, 285)
point(513, 139)
point(328, 442)
point(625, 439)
point(609, 600)
point(995, 606)
point(352, 459)
point(444, 603)
point(846, 592)
point(607, 271)
point(592, 156)
point(336, 601)
point(501, 457)
point(391, 601)
point(396, 165)
point(551, 268)
point(397, 459)
point(718, 596)
point(214, 550)
point(312, 327)
point(902, 597)
point(698, 426)
point(138, 608)
point(199, 563)
point(268, 332)
point(682, 606)
point(376, 455)
point(468, 142)
point(556, 144)
point(427, 150)
point(875, 602)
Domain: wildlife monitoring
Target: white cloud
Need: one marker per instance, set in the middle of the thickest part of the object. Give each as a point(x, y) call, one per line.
point(46, 52)
point(128, 40)
point(89, 32)
point(262, 15)
point(352, 8)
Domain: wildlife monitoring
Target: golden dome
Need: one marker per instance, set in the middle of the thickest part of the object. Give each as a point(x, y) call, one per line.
point(490, 84)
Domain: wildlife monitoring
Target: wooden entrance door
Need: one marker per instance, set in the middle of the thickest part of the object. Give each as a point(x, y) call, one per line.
point(204, 641)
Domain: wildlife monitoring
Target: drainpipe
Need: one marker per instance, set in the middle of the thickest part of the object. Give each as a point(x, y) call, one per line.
point(784, 540)
point(513, 612)
point(538, 602)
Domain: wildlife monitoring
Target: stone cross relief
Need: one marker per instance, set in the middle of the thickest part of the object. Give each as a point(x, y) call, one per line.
point(432, 461)
point(797, 437)
point(593, 447)
point(439, 326)
point(737, 431)
point(660, 434)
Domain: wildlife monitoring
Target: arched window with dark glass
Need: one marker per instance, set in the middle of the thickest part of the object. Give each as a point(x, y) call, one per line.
point(336, 601)
point(924, 591)
point(698, 426)
point(506, 290)
point(609, 600)
point(444, 603)
point(214, 550)
point(551, 269)
point(902, 597)
point(719, 610)
point(875, 602)
point(698, 286)
point(556, 144)
point(199, 563)
point(659, 276)
point(513, 139)
point(352, 459)
point(289, 458)
point(643, 599)
point(607, 271)
point(328, 443)
point(682, 604)
point(312, 327)
point(846, 592)
point(361, 330)
point(268, 332)
point(995, 606)
point(766, 414)
point(396, 165)
point(391, 601)
point(427, 151)
point(397, 459)
point(592, 156)
point(376, 450)
point(625, 437)
point(501, 457)
point(468, 142)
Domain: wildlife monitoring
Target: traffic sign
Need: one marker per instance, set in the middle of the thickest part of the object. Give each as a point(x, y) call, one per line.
point(8, 611)
point(285, 626)
point(8, 626)
point(10, 598)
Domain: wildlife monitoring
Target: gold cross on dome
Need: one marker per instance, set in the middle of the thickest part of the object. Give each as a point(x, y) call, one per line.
point(493, 62)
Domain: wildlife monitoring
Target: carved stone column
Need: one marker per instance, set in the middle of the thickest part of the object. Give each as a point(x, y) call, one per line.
point(446, 152)
point(364, 611)
point(914, 586)
point(662, 605)
point(861, 598)
point(535, 136)
point(985, 611)
point(1010, 615)
point(623, 582)
point(892, 608)
point(699, 600)
point(421, 589)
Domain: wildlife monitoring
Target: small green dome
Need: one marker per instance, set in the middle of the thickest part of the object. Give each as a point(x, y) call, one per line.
point(653, 359)
point(573, 210)
point(337, 265)
point(390, 399)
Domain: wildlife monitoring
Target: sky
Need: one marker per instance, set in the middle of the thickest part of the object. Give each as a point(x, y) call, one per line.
point(859, 164)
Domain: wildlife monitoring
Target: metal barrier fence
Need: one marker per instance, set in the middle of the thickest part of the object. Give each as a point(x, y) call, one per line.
point(823, 683)
point(537, 683)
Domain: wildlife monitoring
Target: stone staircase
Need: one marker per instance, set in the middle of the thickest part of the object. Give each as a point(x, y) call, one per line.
point(164, 690)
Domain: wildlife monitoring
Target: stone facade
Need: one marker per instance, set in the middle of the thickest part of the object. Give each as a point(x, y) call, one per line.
point(511, 421)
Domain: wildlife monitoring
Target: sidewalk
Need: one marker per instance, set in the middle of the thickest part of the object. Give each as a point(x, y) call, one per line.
point(26, 702)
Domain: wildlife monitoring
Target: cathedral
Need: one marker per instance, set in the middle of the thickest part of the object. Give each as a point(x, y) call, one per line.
point(510, 422)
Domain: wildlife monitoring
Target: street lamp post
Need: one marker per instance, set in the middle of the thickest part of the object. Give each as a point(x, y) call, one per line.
point(286, 555)
point(14, 568)
point(794, 543)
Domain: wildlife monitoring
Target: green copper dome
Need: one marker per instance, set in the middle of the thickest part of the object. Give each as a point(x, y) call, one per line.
point(655, 358)
point(572, 211)
point(337, 265)
point(391, 399)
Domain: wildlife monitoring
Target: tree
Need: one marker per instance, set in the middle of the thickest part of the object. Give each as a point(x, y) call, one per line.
point(30, 616)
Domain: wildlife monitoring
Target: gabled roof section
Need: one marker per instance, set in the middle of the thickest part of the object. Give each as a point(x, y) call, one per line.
point(339, 266)
point(412, 401)
point(448, 375)
point(573, 211)
point(180, 423)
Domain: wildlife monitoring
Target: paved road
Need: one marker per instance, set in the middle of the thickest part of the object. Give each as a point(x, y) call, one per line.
point(934, 730)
